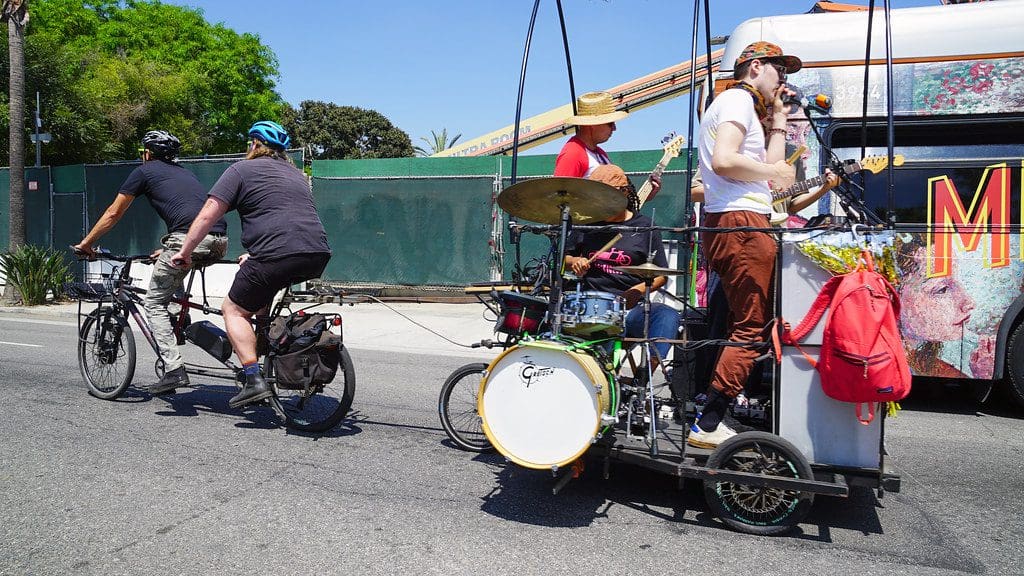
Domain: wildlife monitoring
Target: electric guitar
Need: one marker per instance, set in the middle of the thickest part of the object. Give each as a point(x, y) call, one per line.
point(874, 164)
point(672, 147)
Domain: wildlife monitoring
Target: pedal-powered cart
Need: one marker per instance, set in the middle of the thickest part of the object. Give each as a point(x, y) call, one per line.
point(548, 402)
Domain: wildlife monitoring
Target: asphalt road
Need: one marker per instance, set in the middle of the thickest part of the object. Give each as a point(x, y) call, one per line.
point(184, 484)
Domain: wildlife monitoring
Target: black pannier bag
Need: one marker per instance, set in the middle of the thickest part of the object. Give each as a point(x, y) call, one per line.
point(305, 351)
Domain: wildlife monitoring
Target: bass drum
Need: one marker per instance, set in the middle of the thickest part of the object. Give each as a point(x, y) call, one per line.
point(542, 403)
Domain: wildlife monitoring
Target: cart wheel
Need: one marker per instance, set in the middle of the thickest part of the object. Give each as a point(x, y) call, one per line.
point(755, 509)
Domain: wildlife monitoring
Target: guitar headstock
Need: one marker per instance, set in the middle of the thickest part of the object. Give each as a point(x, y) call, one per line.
point(876, 164)
point(673, 144)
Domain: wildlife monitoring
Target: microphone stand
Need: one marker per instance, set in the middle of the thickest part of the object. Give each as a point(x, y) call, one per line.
point(851, 203)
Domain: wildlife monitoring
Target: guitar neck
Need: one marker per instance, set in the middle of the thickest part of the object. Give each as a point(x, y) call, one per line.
point(647, 187)
point(801, 187)
point(798, 188)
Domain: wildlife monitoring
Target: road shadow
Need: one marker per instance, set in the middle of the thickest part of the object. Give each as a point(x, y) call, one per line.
point(959, 397)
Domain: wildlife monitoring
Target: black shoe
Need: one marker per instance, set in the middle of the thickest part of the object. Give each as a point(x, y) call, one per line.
point(255, 389)
point(176, 378)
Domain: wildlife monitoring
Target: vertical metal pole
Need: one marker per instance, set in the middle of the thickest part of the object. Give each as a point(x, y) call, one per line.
point(522, 83)
point(38, 123)
point(568, 60)
point(890, 218)
point(867, 78)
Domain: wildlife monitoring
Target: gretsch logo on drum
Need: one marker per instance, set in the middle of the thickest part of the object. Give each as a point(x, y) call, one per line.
point(531, 373)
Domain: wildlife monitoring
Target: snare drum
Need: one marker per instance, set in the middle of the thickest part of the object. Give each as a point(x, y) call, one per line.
point(592, 312)
point(542, 403)
point(521, 313)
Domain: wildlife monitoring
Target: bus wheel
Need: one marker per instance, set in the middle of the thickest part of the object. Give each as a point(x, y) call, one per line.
point(1014, 381)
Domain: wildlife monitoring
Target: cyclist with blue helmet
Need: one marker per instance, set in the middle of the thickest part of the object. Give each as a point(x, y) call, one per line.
point(177, 196)
point(282, 234)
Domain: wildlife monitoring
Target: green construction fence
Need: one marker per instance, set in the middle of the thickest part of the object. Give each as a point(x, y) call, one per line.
point(403, 221)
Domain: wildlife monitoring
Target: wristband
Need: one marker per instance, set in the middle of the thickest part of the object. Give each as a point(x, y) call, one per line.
point(777, 131)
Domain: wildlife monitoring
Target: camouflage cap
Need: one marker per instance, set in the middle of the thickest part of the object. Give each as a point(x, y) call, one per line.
point(767, 50)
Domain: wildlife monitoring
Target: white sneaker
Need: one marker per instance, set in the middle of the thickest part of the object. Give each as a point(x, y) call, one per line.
point(701, 439)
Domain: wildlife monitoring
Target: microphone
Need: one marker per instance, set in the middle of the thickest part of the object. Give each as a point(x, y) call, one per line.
point(818, 102)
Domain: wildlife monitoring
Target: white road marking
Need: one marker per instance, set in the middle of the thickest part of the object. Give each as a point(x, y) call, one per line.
point(20, 344)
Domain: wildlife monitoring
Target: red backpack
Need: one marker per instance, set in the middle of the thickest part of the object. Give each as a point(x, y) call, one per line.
point(862, 358)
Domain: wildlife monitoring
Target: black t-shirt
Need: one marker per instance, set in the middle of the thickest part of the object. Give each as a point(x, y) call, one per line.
point(174, 192)
point(276, 207)
point(632, 250)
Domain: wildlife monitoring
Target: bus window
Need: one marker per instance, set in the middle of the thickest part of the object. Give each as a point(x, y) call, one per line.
point(962, 151)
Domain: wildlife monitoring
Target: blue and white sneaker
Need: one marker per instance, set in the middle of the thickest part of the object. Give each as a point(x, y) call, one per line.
point(701, 439)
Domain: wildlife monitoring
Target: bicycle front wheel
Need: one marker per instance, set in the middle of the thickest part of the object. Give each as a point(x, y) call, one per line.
point(324, 406)
point(106, 353)
point(457, 408)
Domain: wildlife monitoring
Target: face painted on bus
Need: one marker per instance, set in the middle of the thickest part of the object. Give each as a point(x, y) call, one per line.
point(933, 309)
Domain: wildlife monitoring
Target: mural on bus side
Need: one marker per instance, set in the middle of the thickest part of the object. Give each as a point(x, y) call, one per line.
point(955, 280)
point(929, 88)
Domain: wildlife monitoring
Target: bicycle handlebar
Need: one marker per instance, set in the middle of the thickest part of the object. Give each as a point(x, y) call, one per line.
point(104, 254)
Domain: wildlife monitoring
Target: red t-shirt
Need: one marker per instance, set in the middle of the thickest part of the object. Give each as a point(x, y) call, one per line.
point(577, 161)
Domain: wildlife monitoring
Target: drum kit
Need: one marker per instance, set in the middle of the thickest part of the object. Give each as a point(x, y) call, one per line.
point(554, 390)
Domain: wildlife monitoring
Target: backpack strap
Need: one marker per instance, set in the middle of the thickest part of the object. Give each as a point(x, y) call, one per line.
point(871, 413)
point(814, 314)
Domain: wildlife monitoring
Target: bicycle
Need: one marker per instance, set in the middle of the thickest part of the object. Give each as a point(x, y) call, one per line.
point(107, 348)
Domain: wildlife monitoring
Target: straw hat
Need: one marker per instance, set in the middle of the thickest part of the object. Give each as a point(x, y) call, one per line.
point(595, 108)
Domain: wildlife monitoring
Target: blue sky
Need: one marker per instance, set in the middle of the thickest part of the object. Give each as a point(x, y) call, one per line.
point(455, 64)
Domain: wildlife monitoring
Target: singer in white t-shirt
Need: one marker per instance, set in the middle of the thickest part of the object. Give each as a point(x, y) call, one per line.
point(741, 144)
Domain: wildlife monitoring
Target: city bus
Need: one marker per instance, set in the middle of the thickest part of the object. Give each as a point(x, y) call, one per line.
point(954, 206)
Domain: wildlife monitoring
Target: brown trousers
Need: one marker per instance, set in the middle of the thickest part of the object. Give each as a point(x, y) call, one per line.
point(745, 262)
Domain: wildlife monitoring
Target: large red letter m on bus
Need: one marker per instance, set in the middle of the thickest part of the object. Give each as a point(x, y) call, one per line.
point(989, 213)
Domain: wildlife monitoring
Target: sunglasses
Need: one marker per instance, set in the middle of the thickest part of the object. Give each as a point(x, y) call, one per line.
point(779, 67)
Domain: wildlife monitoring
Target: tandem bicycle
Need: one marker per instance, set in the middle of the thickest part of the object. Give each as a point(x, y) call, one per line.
point(107, 351)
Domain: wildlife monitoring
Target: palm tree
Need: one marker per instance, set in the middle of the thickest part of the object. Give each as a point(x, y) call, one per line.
point(440, 142)
point(15, 13)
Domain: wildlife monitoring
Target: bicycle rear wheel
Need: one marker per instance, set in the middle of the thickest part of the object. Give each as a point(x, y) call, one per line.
point(106, 353)
point(457, 407)
point(324, 406)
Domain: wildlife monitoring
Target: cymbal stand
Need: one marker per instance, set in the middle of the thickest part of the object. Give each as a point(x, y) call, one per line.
point(646, 362)
point(554, 305)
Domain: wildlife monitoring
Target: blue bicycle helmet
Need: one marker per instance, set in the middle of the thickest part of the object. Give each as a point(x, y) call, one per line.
point(272, 133)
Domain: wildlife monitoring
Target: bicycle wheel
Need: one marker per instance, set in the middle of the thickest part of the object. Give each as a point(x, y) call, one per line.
point(324, 406)
point(758, 509)
point(106, 353)
point(457, 408)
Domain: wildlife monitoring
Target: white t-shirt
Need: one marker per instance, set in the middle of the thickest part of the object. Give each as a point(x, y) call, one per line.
point(723, 194)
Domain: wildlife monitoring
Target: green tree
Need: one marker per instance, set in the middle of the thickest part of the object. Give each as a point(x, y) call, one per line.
point(330, 131)
point(110, 70)
point(436, 143)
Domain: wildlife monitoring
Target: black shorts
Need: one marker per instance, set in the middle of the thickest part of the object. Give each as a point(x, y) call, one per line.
point(257, 281)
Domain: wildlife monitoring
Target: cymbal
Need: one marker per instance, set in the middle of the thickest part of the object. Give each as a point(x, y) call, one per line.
point(648, 270)
point(540, 200)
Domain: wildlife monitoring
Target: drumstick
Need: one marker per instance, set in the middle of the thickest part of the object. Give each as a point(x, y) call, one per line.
point(796, 154)
point(603, 248)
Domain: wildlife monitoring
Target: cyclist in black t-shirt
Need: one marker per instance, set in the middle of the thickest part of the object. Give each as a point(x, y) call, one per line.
point(281, 233)
point(633, 249)
point(177, 196)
